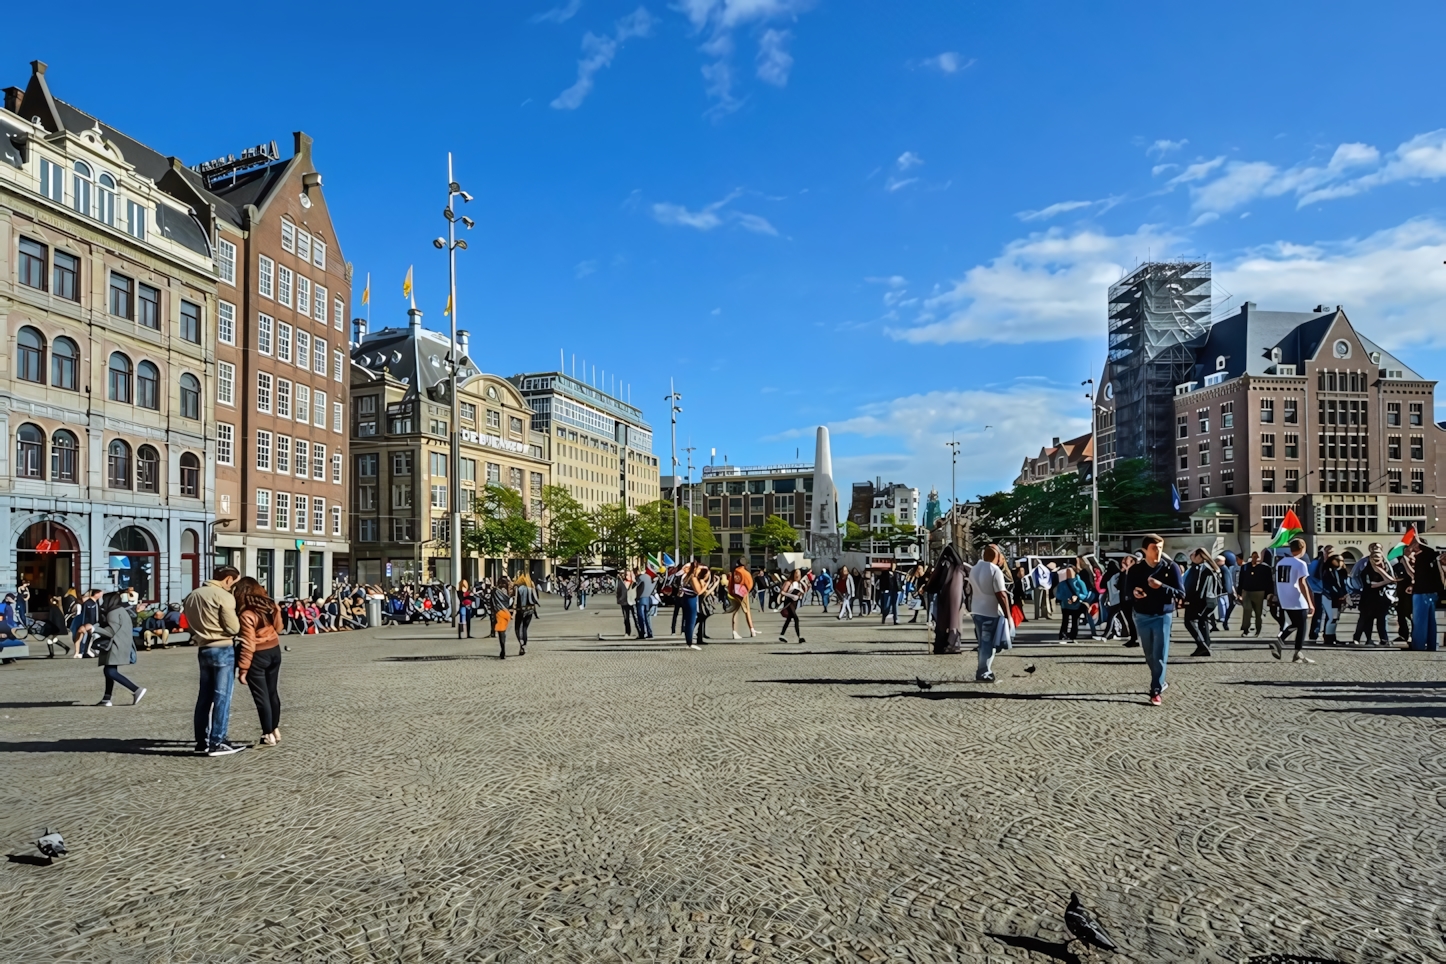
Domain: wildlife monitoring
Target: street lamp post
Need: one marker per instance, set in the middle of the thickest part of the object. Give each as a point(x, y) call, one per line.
point(953, 445)
point(690, 448)
point(1094, 466)
point(672, 398)
point(451, 244)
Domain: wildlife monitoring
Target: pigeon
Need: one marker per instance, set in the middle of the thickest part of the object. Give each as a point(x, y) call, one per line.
point(52, 844)
point(923, 684)
point(1030, 668)
point(287, 648)
point(1083, 925)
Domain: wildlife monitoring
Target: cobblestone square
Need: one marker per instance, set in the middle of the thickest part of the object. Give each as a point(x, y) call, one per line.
point(606, 800)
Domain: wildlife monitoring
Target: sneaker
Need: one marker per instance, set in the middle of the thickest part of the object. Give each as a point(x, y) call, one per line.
point(801, 639)
point(783, 639)
point(1154, 699)
point(699, 648)
point(139, 695)
point(225, 749)
point(1275, 647)
point(984, 678)
point(105, 703)
point(1164, 686)
point(1301, 658)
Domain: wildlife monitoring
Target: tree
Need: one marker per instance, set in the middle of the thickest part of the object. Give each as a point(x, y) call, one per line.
point(772, 536)
point(655, 530)
point(569, 531)
point(616, 532)
point(503, 528)
point(1132, 500)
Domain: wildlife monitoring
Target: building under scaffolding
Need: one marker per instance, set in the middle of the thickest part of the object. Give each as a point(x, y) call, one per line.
point(1159, 314)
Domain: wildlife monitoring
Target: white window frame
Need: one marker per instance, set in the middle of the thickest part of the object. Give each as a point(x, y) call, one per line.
point(283, 453)
point(283, 398)
point(281, 512)
point(225, 384)
point(303, 245)
point(284, 276)
point(303, 349)
point(226, 261)
point(52, 180)
point(300, 506)
point(225, 443)
point(318, 408)
point(136, 220)
point(288, 236)
point(337, 416)
point(301, 457)
point(337, 365)
point(318, 461)
point(263, 450)
point(225, 323)
point(265, 330)
point(318, 253)
point(264, 383)
point(318, 515)
point(336, 520)
point(318, 356)
point(263, 508)
point(265, 279)
point(303, 295)
point(303, 409)
point(283, 341)
point(336, 468)
point(319, 297)
point(338, 314)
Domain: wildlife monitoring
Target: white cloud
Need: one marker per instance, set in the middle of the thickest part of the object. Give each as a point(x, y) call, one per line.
point(1049, 286)
point(1423, 157)
point(908, 160)
point(560, 14)
point(1022, 417)
point(1197, 171)
point(712, 216)
point(774, 61)
point(598, 52)
point(1162, 147)
point(583, 269)
point(1391, 284)
point(949, 62)
point(1241, 182)
point(898, 183)
point(1062, 207)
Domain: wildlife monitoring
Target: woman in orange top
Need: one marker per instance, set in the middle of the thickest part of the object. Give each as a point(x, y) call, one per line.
point(258, 664)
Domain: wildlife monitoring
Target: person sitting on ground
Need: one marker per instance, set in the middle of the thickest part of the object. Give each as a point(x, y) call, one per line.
point(154, 631)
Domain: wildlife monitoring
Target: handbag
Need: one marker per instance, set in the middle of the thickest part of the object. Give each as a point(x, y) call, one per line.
point(504, 619)
point(1003, 637)
point(1016, 614)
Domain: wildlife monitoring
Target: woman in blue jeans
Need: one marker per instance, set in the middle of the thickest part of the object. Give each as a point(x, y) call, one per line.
point(1155, 586)
point(689, 589)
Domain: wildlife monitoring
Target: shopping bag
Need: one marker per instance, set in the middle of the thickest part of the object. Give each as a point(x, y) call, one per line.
point(1003, 635)
point(1016, 613)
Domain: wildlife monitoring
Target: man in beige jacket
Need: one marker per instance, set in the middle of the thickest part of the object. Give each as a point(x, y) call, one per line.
point(211, 618)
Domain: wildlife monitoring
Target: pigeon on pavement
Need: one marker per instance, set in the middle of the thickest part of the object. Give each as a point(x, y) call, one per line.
point(1083, 925)
point(52, 844)
point(1030, 668)
point(923, 684)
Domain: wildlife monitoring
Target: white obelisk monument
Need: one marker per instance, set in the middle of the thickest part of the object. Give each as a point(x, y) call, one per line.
point(825, 535)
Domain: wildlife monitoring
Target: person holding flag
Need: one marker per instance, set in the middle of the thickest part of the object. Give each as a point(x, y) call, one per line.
point(1425, 591)
point(1293, 595)
point(1374, 577)
point(1399, 559)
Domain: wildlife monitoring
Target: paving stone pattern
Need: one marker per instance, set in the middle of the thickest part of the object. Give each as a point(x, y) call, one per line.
point(610, 800)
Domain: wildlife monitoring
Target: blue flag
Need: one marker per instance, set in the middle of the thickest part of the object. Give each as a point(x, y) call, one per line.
point(668, 561)
point(1175, 498)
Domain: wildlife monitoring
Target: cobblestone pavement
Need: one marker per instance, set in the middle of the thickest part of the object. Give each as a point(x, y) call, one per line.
point(609, 800)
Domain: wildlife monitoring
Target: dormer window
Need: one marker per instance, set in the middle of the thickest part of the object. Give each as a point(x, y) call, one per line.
point(81, 182)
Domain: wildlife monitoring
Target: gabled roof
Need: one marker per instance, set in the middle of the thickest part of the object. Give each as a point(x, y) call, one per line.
point(1247, 338)
point(415, 356)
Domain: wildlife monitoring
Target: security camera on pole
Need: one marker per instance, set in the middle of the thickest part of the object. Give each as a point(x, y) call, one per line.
point(451, 244)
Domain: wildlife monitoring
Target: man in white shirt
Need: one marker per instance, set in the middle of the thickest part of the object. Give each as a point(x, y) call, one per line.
point(1043, 598)
point(1295, 598)
point(988, 604)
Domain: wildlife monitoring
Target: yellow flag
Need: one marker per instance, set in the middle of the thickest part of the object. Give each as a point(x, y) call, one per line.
point(407, 284)
point(367, 291)
point(447, 310)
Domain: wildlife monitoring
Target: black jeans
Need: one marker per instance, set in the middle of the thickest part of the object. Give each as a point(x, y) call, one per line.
point(1371, 615)
point(1296, 619)
point(1197, 624)
point(790, 616)
point(1069, 623)
point(112, 677)
point(627, 609)
point(523, 621)
point(261, 679)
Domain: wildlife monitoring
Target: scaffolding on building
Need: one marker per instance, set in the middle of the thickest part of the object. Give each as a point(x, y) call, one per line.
point(1158, 315)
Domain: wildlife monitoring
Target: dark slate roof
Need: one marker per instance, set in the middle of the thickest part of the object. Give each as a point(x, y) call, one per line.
point(248, 187)
point(415, 356)
point(1247, 337)
point(147, 161)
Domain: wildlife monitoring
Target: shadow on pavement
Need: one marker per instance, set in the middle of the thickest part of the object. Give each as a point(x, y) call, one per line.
point(37, 705)
point(986, 694)
point(433, 659)
point(102, 744)
point(1054, 950)
point(849, 652)
point(1424, 699)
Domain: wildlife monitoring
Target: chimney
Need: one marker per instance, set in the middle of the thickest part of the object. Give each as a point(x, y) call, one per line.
point(13, 98)
point(462, 340)
point(414, 318)
point(358, 330)
point(1055, 443)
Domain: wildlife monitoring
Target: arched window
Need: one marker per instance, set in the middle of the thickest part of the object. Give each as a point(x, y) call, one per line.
point(30, 355)
point(65, 364)
point(190, 396)
point(148, 385)
point(190, 475)
point(62, 456)
point(118, 388)
point(118, 465)
point(105, 199)
point(148, 469)
point(29, 452)
point(135, 562)
point(80, 197)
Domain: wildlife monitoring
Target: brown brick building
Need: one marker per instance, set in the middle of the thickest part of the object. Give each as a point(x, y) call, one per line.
point(1299, 410)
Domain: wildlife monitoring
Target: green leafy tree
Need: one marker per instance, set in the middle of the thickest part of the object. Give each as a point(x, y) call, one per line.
point(655, 530)
point(1131, 499)
point(772, 536)
point(569, 531)
point(617, 532)
point(502, 528)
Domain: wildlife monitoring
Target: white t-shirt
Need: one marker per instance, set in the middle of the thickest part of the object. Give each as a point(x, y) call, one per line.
point(986, 579)
point(1288, 573)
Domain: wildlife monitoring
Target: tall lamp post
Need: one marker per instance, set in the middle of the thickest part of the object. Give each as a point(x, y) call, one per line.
point(953, 446)
point(451, 243)
point(1094, 467)
point(690, 448)
point(673, 398)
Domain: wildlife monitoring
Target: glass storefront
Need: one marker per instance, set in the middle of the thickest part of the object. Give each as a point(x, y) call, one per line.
point(290, 572)
point(316, 574)
point(134, 563)
point(265, 569)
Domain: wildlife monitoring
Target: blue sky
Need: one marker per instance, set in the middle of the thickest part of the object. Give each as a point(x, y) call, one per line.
point(899, 220)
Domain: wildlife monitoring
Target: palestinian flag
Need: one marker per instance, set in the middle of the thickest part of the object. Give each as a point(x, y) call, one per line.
point(1289, 528)
point(1399, 550)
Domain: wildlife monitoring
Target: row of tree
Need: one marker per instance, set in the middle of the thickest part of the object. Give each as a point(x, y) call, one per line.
point(503, 528)
point(1131, 500)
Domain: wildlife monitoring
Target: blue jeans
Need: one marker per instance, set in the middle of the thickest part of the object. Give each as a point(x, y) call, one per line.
point(824, 594)
point(1423, 622)
point(644, 618)
point(690, 617)
point(1155, 641)
point(984, 629)
point(213, 699)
